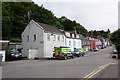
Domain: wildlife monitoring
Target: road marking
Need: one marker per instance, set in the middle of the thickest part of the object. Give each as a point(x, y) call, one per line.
point(90, 75)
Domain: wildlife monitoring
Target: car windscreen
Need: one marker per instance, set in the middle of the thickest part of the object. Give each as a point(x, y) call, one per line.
point(14, 52)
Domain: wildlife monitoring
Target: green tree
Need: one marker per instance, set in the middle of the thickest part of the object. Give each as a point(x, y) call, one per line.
point(15, 19)
point(115, 39)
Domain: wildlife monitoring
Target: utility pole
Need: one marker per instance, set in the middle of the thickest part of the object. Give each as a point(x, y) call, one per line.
point(109, 36)
point(29, 15)
point(75, 31)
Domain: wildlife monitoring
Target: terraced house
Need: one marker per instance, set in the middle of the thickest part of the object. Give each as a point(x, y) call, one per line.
point(85, 43)
point(72, 40)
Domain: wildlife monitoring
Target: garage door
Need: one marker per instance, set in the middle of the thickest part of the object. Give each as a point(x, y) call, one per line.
point(32, 53)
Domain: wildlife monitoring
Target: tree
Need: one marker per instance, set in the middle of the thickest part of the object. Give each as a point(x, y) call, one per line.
point(15, 18)
point(101, 33)
point(115, 39)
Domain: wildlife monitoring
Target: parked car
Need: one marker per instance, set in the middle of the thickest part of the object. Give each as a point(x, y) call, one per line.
point(96, 49)
point(114, 55)
point(13, 54)
point(115, 50)
point(79, 52)
point(102, 47)
point(62, 52)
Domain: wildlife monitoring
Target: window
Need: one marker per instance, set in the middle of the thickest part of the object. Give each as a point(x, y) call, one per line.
point(69, 43)
point(83, 43)
point(58, 38)
point(48, 37)
point(27, 38)
point(34, 37)
point(54, 38)
point(62, 38)
point(74, 43)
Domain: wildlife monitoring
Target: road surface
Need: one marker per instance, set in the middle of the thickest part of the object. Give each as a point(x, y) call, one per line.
point(89, 66)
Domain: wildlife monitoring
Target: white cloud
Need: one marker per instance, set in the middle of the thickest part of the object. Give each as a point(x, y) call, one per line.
point(92, 14)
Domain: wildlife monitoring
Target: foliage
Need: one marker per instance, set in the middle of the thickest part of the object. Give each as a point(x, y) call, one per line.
point(99, 33)
point(115, 39)
point(15, 39)
point(69, 24)
point(15, 19)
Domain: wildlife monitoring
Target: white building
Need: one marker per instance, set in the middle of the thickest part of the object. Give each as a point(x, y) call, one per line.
point(72, 40)
point(39, 40)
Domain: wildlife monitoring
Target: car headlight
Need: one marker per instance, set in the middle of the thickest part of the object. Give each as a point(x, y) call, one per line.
point(12, 54)
point(115, 50)
point(20, 54)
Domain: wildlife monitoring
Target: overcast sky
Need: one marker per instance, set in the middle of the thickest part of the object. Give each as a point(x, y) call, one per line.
point(92, 14)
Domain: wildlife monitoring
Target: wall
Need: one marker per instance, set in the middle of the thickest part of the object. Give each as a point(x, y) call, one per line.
point(53, 42)
point(14, 46)
point(77, 43)
point(4, 45)
point(93, 45)
point(3, 54)
point(68, 44)
point(98, 44)
point(31, 30)
point(86, 45)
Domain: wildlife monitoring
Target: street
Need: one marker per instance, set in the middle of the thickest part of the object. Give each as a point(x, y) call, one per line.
point(92, 65)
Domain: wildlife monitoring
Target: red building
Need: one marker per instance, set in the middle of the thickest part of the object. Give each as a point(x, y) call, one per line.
point(93, 45)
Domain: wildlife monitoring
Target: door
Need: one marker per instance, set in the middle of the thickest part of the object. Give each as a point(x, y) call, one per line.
point(32, 53)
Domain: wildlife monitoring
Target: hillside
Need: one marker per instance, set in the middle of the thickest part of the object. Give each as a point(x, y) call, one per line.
point(15, 19)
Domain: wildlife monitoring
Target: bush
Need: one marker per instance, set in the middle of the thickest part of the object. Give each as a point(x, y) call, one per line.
point(115, 39)
point(15, 40)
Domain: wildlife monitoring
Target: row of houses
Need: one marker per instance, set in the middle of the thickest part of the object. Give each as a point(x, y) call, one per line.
point(39, 40)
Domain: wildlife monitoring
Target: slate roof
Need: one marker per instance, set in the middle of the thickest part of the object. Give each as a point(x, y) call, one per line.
point(49, 28)
point(83, 37)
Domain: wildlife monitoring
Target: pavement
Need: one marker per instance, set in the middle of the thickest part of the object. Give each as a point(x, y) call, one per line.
point(94, 65)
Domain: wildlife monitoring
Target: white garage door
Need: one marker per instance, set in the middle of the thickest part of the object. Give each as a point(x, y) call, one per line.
point(32, 53)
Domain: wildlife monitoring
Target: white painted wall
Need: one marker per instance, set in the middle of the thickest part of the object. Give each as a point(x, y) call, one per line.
point(69, 43)
point(78, 43)
point(53, 42)
point(75, 43)
point(31, 30)
point(41, 47)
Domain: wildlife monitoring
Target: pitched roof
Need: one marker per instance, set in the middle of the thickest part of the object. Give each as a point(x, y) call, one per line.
point(49, 28)
point(82, 37)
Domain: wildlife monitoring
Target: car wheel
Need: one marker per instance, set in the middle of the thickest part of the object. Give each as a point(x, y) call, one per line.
point(72, 56)
point(65, 57)
point(78, 55)
point(57, 58)
point(83, 55)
